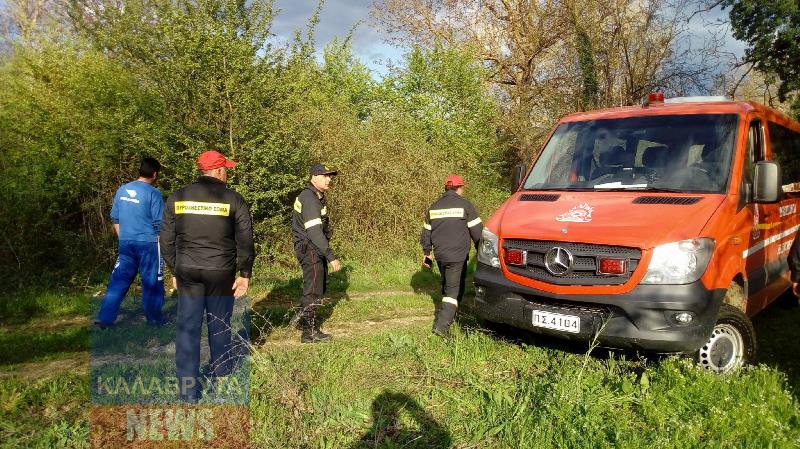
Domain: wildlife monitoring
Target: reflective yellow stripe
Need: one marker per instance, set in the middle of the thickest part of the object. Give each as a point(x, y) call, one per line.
point(456, 212)
point(201, 208)
point(474, 222)
point(426, 226)
point(314, 222)
point(324, 211)
point(298, 206)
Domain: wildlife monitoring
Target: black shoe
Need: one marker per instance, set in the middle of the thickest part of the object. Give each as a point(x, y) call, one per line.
point(307, 337)
point(321, 336)
point(442, 333)
point(102, 325)
point(314, 336)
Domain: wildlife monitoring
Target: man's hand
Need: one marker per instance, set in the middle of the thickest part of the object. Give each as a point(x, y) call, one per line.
point(174, 282)
point(335, 265)
point(796, 289)
point(427, 262)
point(240, 287)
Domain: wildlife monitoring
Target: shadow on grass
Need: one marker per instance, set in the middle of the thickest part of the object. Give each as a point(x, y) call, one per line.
point(31, 345)
point(280, 307)
point(778, 339)
point(23, 307)
point(521, 337)
point(130, 334)
point(399, 421)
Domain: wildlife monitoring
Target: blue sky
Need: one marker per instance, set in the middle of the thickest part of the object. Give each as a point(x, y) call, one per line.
point(336, 20)
point(339, 16)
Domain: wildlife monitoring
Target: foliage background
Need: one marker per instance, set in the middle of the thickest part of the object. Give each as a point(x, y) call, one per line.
point(90, 86)
point(173, 79)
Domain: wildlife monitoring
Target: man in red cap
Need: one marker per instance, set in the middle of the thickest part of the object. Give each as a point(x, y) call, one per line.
point(206, 239)
point(450, 223)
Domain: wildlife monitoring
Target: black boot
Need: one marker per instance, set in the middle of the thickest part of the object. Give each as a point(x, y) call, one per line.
point(311, 327)
point(318, 334)
point(444, 318)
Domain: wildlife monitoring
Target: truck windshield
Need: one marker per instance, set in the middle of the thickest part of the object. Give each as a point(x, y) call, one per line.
point(686, 153)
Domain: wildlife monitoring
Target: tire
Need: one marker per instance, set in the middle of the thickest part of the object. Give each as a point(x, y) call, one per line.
point(732, 343)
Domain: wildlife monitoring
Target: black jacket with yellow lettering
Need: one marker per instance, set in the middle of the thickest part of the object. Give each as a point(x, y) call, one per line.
point(310, 221)
point(207, 226)
point(450, 223)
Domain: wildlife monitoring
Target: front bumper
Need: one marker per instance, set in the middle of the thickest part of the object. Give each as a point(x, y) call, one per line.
point(640, 319)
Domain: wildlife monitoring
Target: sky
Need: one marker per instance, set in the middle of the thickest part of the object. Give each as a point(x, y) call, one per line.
point(337, 18)
point(369, 43)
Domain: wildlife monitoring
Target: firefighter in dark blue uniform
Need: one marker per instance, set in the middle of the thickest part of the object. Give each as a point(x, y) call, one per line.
point(450, 224)
point(794, 265)
point(207, 242)
point(312, 233)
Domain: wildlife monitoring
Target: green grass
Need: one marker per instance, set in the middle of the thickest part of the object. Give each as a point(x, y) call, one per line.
point(43, 325)
point(399, 274)
point(407, 388)
point(386, 381)
point(25, 306)
point(37, 345)
point(44, 413)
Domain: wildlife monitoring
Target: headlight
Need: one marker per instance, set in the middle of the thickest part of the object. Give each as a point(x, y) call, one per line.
point(679, 262)
point(487, 249)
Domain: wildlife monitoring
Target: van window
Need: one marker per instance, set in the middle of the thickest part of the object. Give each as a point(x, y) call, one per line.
point(755, 150)
point(785, 151)
point(672, 153)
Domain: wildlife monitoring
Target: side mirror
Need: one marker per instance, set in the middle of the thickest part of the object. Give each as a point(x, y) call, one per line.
point(516, 179)
point(767, 182)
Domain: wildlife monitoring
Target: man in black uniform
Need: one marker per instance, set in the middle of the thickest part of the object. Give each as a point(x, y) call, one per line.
point(206, 238)
point(311, 231)
point(794, 265)
point(450, 223)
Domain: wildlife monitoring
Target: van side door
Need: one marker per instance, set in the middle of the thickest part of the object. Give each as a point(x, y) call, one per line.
point(765, 224)
point(784, 148)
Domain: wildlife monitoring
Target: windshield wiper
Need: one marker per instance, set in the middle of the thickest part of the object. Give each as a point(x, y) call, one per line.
point(663, 189)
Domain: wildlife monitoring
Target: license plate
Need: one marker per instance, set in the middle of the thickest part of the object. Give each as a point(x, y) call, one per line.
point(557, 321)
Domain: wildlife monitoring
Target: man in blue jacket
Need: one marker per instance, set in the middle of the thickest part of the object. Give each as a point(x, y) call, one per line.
point(136, 213)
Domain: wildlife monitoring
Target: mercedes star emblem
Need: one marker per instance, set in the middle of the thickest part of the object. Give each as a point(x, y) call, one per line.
point(558, 261)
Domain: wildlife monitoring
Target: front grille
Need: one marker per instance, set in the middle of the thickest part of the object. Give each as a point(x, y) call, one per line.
point(585, 260)
point(574, 308)
point(539, 197)
point(680, 200)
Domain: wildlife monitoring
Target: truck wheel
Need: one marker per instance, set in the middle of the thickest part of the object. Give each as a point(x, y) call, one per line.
point(732, 343)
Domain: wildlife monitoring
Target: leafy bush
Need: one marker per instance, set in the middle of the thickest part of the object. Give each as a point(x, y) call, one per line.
point(172, 80)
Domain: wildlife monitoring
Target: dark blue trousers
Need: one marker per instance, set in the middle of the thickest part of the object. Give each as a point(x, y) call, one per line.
point(135, 257)
point(202, 293)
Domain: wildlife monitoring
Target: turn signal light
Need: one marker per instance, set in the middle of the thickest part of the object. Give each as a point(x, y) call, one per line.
point(515, 257)
point(612, 266)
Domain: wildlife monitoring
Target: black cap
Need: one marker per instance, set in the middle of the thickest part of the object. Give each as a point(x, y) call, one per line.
point(321, 169)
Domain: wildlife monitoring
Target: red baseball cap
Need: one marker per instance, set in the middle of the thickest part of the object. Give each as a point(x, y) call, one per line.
point(210, 160)
point(454, 181)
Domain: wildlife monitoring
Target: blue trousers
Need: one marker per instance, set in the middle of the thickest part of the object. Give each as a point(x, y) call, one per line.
point(203, 293)
point(135, 257)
